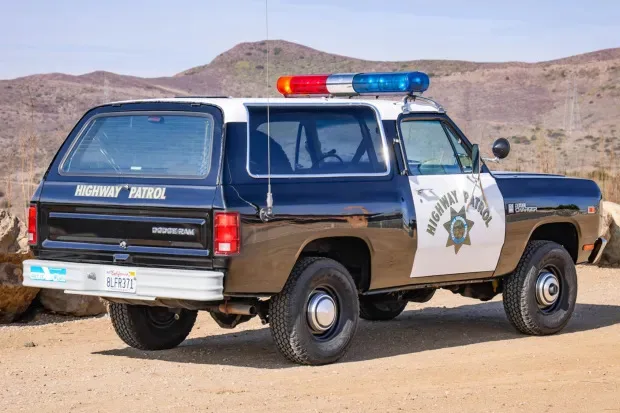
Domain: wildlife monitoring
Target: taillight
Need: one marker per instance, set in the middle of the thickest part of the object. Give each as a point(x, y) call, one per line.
point(32, 225)
point(226, 233)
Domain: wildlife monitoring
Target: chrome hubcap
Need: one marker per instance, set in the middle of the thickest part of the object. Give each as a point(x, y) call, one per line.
point(547, 289)
point(322, 311)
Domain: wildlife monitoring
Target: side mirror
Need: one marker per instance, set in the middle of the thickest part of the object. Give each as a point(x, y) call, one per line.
point(475, 159)
point(501, 148)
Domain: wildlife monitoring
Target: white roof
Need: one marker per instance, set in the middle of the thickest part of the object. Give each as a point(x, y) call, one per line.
point(234, 109)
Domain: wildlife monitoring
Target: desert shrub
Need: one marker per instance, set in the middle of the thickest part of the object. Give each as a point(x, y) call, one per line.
point(520, 140)
point(242, 65)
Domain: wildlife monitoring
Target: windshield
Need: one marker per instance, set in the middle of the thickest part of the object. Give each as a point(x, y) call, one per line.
point(148, 145)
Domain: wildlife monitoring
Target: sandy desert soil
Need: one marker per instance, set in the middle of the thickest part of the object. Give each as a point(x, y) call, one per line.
point(449, 355)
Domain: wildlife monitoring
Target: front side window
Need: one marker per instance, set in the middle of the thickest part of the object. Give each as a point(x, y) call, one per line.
point(432, 149)
point(143, 145)
point(315, 141)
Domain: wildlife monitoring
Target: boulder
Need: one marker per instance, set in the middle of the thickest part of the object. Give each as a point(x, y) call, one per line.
point(610, 229)
point(58, 302)
point(14, 298)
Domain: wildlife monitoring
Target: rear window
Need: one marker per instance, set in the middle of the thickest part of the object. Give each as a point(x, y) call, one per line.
point(148, 145)
point(324, 140)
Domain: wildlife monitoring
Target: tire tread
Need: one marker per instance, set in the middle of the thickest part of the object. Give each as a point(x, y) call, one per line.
point(281, 311)
point(515, 295)
point(125, 318)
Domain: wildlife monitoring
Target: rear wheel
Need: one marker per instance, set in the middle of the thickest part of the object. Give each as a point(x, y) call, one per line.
point(381, 307)
point(314, 318)
point(540, 296)
point(151, 328)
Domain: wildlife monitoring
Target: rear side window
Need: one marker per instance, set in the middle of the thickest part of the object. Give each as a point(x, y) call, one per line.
point(147, 145)
point(324, 140)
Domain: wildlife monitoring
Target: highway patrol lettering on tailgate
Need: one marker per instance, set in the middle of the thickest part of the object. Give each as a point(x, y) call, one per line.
point(143, 192)
point(113, 191)
point(98, 191)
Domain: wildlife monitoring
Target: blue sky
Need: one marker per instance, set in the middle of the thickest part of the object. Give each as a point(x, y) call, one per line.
point(160, 38)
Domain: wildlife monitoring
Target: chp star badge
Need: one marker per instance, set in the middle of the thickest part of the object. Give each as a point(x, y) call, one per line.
point(458, 229)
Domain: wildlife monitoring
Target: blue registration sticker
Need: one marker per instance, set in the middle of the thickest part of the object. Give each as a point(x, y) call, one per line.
point(53, 274)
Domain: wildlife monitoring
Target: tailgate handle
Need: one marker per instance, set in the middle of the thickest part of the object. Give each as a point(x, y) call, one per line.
point(120, 257)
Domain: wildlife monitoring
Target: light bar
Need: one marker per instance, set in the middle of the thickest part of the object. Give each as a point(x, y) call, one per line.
point(352, 84)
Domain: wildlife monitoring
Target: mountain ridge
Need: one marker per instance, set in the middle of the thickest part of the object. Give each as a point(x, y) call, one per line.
point(580, 58)
point(566, 110)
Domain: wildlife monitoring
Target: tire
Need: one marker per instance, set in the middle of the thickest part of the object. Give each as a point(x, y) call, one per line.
point(291, 326)
point(381, 308)
point(523, 304)
point(151, 328)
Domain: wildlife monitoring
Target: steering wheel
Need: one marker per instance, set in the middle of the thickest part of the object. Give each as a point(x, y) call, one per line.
point(330, 155)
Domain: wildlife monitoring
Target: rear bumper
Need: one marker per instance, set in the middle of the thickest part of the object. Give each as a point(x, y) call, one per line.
point(151, 283)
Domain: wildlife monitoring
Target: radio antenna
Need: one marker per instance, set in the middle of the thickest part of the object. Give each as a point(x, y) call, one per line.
point(267, 213)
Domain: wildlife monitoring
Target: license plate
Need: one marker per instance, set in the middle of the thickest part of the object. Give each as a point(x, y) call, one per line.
point(120, 281)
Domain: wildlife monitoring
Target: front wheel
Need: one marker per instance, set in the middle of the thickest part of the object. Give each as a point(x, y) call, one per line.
point(151, 328)
point(314, 318)
point(540, 296)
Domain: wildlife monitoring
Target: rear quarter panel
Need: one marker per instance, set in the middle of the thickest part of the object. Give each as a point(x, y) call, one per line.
point(374, 209)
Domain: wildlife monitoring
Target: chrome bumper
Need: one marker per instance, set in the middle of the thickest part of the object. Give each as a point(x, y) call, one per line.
point(597, 252)
point(151, 283)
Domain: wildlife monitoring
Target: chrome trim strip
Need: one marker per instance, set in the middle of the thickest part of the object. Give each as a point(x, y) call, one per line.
point(138, 113)
point(386, 153)
point(167, 220)
point(131, 248)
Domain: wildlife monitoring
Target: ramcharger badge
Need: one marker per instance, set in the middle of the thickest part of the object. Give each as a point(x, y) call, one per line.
point(174, 231)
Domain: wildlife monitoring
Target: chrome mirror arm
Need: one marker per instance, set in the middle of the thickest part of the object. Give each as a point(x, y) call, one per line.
point(494, 160)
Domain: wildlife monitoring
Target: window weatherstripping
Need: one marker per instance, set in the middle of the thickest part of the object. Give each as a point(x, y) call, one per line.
point(384, 146)
point(208, 147)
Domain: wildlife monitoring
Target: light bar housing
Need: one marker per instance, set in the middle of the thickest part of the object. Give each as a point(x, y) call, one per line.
point(354, 84)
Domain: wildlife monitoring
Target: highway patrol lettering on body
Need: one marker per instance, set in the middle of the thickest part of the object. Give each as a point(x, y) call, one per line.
point(458, 226)
point(113, 191)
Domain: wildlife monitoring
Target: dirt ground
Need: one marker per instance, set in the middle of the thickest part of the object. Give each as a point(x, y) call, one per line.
point(449, 355)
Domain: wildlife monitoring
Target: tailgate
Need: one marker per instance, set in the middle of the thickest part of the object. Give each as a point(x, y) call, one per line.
point(179, 223)
point(134, 184)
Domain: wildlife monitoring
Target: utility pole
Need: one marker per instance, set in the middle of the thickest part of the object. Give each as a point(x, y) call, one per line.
point(106, 89)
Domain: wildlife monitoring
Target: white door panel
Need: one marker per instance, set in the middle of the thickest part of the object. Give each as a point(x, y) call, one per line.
point(455, 233)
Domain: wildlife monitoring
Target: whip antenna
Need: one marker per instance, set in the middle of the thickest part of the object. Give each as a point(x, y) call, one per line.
point(267, 213)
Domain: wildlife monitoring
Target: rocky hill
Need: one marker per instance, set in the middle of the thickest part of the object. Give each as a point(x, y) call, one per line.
point(560, 115)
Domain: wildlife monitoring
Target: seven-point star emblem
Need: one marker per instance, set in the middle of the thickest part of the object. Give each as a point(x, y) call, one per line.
point(458, 229)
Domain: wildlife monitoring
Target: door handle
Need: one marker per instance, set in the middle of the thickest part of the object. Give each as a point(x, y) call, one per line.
point(420, 190)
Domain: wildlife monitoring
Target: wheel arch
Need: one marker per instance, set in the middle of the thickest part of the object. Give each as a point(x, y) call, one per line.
point(353, 252)
point(565, 233)
point(563, 230)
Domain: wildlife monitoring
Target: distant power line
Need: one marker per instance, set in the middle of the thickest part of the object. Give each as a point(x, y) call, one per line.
point(572, 113)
